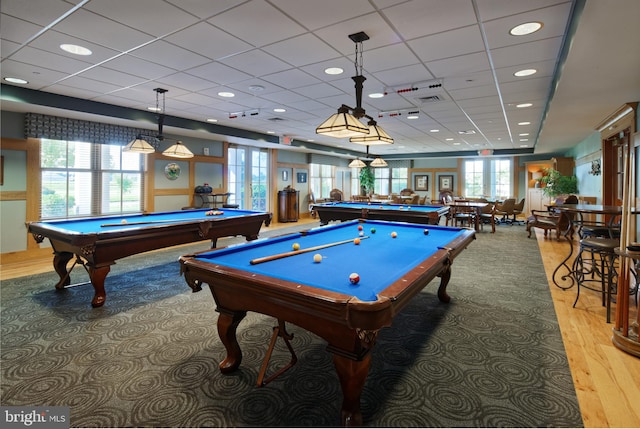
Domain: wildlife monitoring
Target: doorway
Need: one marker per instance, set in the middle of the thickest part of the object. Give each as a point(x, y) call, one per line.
point(247, 177)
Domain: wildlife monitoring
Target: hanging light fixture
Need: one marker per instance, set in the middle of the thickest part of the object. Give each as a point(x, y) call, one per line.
point(357, 163)
point(141, 145)
point(346, 123)
point(376, 136)
point(378, 162)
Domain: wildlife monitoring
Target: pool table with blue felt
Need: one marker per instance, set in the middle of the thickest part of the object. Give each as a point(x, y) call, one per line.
point(342, 211)
point(319, 296)
point(97, 242)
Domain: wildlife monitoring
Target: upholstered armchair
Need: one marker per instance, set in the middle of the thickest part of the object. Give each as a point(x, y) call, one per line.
point(335, 195)
point(551, 220)
point(506, 210)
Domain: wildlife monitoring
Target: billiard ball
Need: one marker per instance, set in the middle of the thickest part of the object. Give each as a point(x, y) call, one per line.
point(123, 221)
point(361, 233)
point(356, 241)
point(426, 231)
point(359, 227)
point(295, 246)
point(373, 230)
point(317, 258)
point(394, 234)
point(354, 278)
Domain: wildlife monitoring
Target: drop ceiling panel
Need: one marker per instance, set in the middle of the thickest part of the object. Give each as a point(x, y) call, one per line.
point(92, 27)
point(272, 27)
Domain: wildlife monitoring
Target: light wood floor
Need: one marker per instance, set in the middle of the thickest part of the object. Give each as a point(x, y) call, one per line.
point(607, 380)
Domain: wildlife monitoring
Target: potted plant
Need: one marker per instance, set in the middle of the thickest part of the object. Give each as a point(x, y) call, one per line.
point(367, 180)
point(556, 184)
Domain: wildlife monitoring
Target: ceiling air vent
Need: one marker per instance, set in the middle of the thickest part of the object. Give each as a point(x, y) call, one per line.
point(431, 98)
point(275, 119)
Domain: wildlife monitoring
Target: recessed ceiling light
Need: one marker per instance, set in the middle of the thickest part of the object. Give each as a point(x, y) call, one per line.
point(524, 145)
point(524, 140)
point(524, 123)
point(456, 144)
point(449, 139)
point(154, 109)
point(16, 80)
point(75, 49)
point(523, 134)
point(434, 131)
point(376, 95)
point(521, 105)
point(310, 140)
point(212, 120)
point(333, 70)
point(525, 72)
point(226, 94)
point(271, 132)
point(525, 28)
point(413, 115)
point(279, 110)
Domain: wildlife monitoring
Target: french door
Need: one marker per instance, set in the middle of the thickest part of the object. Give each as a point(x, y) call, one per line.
point(248, 176)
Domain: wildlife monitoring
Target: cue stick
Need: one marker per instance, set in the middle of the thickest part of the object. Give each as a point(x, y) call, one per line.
point(143, 222)
point(297, 252)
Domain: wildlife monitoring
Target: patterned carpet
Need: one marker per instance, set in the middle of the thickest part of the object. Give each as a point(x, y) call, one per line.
point(493, 357)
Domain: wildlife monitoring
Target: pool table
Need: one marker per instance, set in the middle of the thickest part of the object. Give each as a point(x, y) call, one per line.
point(97, 242)
point(425, 214)
point(269, 277)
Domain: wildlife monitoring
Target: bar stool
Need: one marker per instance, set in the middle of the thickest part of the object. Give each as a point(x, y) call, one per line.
point(599, 261)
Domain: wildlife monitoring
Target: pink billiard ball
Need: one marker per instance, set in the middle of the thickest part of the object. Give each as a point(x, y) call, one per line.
point(354, 278)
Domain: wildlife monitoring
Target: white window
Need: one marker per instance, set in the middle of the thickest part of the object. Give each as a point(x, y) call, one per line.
point(488, 178)
point(87, 179)
point(321, 180)
point(399, 179)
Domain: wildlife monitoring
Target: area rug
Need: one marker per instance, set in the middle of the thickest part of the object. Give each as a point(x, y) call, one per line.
point(492, 357)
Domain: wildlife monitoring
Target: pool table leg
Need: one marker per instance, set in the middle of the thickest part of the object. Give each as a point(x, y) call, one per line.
point(445, 275)
point(228, 322)
point(60, 261)
point(97, 276)
point(352, 375)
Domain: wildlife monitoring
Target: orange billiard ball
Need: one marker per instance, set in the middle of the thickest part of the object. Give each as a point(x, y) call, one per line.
point(394, 234)
point(356, 241)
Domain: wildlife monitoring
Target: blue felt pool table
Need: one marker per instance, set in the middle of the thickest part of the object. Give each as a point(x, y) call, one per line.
point(98, 242)
point(270, 277)
point(347, 210)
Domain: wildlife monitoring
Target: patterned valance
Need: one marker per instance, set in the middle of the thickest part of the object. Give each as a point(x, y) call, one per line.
point(58, 128)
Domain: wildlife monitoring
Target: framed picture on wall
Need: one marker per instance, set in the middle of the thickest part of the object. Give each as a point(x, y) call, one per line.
point(446, 183)
point(421, 182)
point(302, 177)
point(285, 176)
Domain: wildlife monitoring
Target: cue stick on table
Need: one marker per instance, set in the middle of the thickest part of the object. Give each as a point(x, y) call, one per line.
point(143, 222)
point(297, 252)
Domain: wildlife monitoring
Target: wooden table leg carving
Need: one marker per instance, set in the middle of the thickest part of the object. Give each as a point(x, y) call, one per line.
point(228, 322)
point(98, 276)
point(352, 375)
point(60, 261)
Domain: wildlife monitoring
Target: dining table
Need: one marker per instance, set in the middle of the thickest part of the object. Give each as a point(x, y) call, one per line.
point(476, 206)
